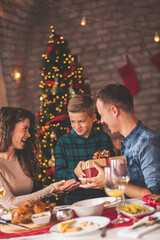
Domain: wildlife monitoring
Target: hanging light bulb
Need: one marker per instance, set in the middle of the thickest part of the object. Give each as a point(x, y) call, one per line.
point(156, 37)
point(16, 75)
point(83, 21)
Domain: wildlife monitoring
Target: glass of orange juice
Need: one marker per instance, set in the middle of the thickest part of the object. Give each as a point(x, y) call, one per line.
point(2, 190)
point(116, 178)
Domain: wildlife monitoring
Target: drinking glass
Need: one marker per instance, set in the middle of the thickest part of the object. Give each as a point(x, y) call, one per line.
point(2, 190)
point(116, 179)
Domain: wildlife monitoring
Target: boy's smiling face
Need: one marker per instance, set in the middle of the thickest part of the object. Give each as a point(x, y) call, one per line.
point(82, 123)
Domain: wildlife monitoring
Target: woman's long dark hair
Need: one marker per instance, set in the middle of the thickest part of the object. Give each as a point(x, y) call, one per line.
point(28, 157)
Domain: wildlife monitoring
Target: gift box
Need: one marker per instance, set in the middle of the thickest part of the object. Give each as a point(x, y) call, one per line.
point(91, 171)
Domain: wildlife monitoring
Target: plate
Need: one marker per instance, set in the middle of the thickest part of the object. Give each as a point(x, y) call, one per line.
point(99, 221)
point(150, 210)
point(6, 216)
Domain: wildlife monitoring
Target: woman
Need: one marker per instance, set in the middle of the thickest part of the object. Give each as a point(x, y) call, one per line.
point(19, 162)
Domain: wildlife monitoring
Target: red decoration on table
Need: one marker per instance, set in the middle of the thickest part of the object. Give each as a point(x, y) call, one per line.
point(150, 199)
point(128, 75)
point(50, 171)
point(156, 60)
point(13, 235)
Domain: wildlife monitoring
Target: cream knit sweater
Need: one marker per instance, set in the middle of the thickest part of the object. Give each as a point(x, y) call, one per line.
point(17, 185)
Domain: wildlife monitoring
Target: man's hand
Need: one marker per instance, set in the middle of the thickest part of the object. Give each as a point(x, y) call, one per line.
point(64, 185)
point(78, 170)
point(94, 182)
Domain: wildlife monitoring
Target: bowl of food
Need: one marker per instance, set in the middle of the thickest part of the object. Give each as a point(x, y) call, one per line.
point(41, 218)
point(89, 207)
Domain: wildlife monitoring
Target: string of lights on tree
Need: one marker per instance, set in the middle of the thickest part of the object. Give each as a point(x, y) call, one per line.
point(61, 79)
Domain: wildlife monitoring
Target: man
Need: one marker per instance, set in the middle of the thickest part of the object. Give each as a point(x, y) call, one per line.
point(79, 145)
point(140, 144)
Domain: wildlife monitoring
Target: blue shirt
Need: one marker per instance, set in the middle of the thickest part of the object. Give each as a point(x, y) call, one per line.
point(72, 148)
point(142, 148)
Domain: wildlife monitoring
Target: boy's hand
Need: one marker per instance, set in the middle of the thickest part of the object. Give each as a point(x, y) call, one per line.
point(78, 170)
point(94, 182)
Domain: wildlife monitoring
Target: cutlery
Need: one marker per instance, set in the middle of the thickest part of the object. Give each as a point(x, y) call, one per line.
point(4, 222)
point(104, 231)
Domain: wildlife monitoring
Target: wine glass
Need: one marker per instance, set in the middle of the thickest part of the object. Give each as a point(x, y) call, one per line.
point(2, 190)
point(116, 179)
point(127, 181)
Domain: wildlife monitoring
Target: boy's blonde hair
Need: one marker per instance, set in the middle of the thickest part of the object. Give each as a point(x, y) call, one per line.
point(81, 103)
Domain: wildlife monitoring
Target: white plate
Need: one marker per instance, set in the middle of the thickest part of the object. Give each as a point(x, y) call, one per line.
point(99, 220)
point(6, 216)
point(150, 210)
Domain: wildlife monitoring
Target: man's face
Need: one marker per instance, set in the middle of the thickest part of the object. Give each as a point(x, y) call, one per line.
point(81, 123)
point(108, 116)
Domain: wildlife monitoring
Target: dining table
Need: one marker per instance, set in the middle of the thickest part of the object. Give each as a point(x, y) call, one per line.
point(108, 233)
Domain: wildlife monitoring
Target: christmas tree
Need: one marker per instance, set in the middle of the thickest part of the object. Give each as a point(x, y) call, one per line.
point(61, 78)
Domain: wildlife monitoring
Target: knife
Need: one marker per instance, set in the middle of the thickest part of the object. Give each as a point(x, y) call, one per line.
point(4, 222)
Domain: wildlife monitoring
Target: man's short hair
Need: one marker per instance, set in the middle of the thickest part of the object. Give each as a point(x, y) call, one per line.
point(117, 95)
point(81, 103)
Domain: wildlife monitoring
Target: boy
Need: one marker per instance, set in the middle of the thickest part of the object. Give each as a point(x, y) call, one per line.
point(79, 145)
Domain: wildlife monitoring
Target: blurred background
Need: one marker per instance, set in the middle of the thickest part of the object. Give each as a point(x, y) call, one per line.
point(101, 33)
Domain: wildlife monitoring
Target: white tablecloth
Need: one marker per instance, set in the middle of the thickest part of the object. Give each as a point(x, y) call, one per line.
point(111, 234)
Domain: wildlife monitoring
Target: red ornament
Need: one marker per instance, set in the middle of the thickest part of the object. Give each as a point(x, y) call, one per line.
point(49, 48)
point(68, 131)
point(65, 103)
point(57, 52)
point(50, 171)
point(37, 114)
point(42, 71)
point(49, 83)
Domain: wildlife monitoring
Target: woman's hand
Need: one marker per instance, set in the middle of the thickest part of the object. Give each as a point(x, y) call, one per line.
point(64, 185)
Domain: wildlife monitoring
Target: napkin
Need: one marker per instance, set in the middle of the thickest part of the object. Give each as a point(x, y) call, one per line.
point(138, 232)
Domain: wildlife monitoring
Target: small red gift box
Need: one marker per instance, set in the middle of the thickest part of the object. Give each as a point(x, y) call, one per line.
point(91, 171)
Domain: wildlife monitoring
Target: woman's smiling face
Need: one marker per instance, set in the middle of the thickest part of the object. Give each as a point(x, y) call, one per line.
point(20, 134)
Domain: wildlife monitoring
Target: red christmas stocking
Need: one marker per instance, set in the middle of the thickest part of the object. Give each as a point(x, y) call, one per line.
point(128, 75)
point(156, 60)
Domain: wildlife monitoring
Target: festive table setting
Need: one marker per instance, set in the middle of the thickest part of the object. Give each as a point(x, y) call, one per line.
point(136, 227)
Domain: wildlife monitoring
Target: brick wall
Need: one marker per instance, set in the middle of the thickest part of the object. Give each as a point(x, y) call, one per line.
point(114, 28)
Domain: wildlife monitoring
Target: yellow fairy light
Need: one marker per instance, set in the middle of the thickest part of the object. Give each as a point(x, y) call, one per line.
point(156, 37)
point(17, 76)
point(83, 21)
